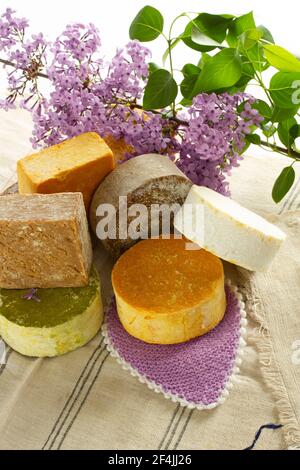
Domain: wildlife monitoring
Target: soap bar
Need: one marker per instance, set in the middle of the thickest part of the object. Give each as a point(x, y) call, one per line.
point(228, 230)
point(167, 293)
point(118, 147)
point(75, 165)
point(58, 321)
point(147, 179)
point(44, 241)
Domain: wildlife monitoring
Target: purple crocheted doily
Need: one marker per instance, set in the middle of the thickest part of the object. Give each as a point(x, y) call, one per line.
point(197, 373)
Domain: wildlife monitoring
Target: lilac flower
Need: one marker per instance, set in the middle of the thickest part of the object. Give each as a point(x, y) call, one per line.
point(88, 94)
point(215, 136)
point(11, 29)
point(31, 295)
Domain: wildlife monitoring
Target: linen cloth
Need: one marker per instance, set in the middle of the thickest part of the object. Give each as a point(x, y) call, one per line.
point(85, 400)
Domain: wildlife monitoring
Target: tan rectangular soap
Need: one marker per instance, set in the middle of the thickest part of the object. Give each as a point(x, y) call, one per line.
point(44, 241)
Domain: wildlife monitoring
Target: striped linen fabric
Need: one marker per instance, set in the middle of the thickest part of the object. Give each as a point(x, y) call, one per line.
point(85, 400)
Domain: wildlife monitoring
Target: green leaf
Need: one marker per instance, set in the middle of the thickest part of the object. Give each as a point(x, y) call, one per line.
point(246, 146)
point(161, 90)
point(295, 131)
point(237, 29)
point(239, 86)
point(212, 26)
point(267, 36)
point(186, 102)
point(187, 86)
point(268, 129)
point(253, 139)
point(190, 69)
point(190, 73)
point(247, 74)
point(264, 109)
point(250, 38)
point(281, 59)
point(147, 25)
point(204, 41)
point(187, 39)
point(281, 114)
point(243, 23)
point(239, 26)
point(283, 89)
point(284, 131)
point(224, 70)
point(256, 57)
point(283, 183)
point(204, 59)
point(153, 67)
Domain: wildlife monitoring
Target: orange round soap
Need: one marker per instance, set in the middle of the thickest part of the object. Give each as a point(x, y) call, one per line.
point(166, 293)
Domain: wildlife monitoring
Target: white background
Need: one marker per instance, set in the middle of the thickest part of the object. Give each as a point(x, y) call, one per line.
point(113, 18)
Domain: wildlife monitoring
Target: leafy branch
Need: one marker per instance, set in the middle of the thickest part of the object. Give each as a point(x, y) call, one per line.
point(233, 53)
point(242, 52)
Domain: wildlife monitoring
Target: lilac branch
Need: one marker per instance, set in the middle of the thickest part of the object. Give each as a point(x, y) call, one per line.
point(179, 122)
point(288, 152)
point(11, 64)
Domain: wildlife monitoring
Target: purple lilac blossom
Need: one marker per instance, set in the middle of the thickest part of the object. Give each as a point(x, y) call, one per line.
point(31, 295)
point(89, 94)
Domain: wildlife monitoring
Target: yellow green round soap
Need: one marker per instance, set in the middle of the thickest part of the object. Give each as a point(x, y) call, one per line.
point(58, 320)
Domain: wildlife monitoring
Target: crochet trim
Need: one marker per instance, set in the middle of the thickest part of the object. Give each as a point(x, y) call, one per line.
point(176, 398)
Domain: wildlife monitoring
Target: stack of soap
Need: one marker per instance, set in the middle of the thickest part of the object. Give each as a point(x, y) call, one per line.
point(167, 293)
point(75, 165)
point(45, 244)
point(147, 180)
point(44, 241)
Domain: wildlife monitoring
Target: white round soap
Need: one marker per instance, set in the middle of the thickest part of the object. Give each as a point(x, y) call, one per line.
point(225, 228)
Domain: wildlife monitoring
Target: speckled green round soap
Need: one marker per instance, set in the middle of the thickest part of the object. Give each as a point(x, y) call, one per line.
point(62, 320)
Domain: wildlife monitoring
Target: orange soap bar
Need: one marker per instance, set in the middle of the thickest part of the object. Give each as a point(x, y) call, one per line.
point(75, 165)
point(167, 293)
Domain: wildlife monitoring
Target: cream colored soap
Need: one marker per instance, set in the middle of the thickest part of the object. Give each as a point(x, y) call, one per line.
point(166, 293)
point(64, 318)
point(223, 227)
